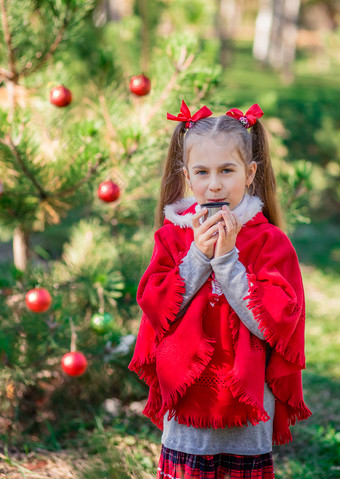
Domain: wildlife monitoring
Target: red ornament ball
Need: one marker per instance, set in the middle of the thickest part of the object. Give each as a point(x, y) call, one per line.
point(60, 96)
point(74, 363)
point(108, 191)
point(140, 85)
point(38, 300)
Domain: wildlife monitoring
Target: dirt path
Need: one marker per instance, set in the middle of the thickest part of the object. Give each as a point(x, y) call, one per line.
point(44, 464)
point(66, 464)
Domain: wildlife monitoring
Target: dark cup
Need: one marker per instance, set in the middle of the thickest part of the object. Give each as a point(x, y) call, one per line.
point(213, 208)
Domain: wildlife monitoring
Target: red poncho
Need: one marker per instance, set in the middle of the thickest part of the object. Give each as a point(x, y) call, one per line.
point(206, 368)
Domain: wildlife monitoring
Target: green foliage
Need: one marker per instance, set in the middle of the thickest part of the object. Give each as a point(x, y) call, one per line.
point(39, 185)
point(196, 16)
point(35, 26)
point(295, 183)
point(89, 263)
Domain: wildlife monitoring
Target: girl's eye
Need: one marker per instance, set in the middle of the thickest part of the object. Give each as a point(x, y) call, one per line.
point(203, 172)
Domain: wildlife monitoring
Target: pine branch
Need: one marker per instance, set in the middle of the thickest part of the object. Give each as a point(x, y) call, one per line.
point(12, 74)
point(299, 190)
point(183, 63)
point(201, 94)
point(5, 74)
point(42, 193)
point(73, 188)
point(29, 67)
point(109, 125)
point(11, 212)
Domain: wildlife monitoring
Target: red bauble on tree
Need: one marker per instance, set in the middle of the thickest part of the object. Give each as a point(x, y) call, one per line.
point(108, 191)
point(140, 85)
point(60, 96)
point(38, 300)
point(74, 363)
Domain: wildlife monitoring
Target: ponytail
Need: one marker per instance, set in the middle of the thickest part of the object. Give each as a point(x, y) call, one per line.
point(173, 184)
point(264, 181)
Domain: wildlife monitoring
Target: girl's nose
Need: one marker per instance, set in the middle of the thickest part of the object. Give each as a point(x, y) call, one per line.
point(215, 185)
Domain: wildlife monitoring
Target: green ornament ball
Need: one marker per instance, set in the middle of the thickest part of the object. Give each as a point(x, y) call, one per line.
point(102, 323)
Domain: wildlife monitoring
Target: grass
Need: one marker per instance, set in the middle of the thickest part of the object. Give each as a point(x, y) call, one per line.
point(315, 451)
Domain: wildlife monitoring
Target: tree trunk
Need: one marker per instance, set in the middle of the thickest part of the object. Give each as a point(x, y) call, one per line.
point(289, 35)
point(276, 32)
point(21, 249)
point(263, 28)
point(227, 18)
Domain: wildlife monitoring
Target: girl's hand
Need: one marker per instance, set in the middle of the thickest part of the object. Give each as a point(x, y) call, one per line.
point(205, 234)
point(227, 232)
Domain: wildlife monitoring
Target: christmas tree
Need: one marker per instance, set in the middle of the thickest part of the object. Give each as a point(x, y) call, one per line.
point(81, 149)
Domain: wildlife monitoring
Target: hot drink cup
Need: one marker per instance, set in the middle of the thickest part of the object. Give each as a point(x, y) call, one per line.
point(213, 208)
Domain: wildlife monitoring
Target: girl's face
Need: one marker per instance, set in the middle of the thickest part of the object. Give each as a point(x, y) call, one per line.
point(215, 171)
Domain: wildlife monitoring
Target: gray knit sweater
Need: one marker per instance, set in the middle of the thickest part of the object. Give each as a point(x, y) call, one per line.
point(230, 280)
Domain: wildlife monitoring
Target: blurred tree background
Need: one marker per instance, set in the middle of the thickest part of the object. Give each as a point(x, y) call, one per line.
point(57, 234)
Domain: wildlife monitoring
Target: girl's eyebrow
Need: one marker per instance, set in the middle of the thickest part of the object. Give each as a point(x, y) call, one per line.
point(204, 167)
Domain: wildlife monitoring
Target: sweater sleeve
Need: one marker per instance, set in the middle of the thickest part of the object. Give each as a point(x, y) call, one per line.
point(232, 277)
point(194, 269)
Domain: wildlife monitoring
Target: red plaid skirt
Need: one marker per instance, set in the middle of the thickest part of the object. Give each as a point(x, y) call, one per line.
point(179, 465)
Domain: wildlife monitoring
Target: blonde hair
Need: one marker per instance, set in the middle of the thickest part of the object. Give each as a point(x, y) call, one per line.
point(253, 146)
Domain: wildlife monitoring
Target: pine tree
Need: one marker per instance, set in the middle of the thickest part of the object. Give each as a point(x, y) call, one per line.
point(88, 254)
point(39, 183)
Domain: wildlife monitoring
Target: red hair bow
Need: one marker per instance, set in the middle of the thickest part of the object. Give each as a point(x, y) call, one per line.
point(248, 119)
point(185, 115)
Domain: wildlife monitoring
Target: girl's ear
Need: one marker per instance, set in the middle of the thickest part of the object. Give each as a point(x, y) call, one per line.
point(251, 173)
point(186, 173)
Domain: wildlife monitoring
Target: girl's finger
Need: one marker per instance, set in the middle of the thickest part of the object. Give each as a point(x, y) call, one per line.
point(233, 223)
point(228, 220)
point(210, 232)
point(212, 241)
point(207, 224)
point(221, 231)
point(196, 218)
point(213, 236)
point(212, 219)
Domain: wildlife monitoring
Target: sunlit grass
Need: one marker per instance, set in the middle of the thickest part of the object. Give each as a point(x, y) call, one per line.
point(315, 451)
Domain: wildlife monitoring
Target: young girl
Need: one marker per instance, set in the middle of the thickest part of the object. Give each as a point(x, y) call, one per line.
point(221, 340)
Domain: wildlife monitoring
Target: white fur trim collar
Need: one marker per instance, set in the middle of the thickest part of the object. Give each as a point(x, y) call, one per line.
point(172, 212)
point(246, 210)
